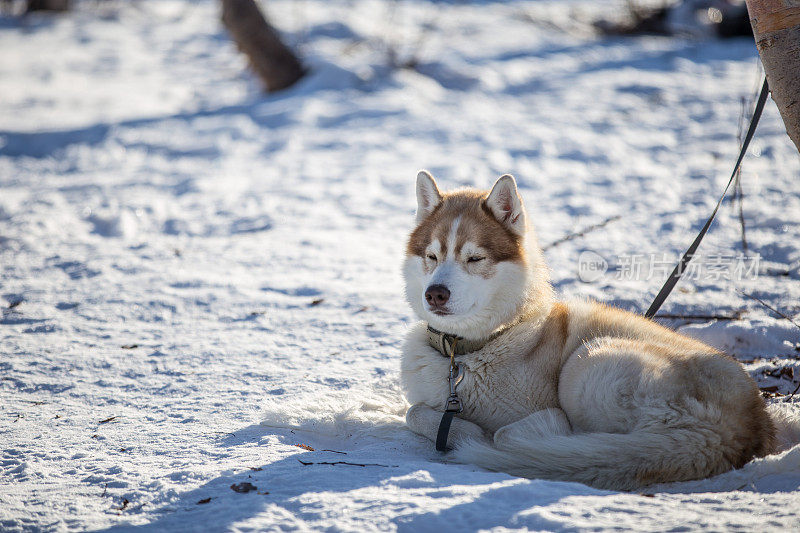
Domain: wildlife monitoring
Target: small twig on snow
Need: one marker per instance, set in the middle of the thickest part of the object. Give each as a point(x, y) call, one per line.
point(333, 463)
point(581, 233)
point(124, 505)
point(765, 304)
point(735, 316)
point(738, 192)
point(221, 433)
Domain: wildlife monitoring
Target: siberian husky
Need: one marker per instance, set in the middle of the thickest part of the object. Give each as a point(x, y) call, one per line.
point(568, 391)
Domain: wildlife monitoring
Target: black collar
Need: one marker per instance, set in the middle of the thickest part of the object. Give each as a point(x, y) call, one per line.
point(442, 342)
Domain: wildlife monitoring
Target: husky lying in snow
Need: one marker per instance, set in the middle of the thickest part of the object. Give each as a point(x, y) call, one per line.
point(568, 391)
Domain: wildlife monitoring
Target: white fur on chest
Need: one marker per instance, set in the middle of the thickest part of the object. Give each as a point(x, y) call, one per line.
point(502, 382)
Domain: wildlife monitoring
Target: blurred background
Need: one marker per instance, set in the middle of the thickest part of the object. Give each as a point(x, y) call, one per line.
point(204, 208)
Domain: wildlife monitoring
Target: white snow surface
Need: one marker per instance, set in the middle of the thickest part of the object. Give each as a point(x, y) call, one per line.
point(197, 277)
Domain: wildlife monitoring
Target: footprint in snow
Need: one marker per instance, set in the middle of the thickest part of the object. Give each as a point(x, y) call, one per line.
point(251, 224)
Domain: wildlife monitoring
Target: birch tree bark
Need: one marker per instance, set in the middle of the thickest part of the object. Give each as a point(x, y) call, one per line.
point(776, 27)
point(272, 61)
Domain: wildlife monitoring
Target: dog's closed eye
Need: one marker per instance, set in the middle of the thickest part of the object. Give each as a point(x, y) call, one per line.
point(432, 257)
point(475, 259)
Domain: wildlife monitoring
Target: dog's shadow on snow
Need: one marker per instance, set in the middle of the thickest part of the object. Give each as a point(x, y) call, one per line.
point(303, 490)
point(290, 494)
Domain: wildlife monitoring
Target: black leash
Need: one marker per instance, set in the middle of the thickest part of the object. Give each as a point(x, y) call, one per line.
point(444, 430)
point(453, 404)
point(680, 268)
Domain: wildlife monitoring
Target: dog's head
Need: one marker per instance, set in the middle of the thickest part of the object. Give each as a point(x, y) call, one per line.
point(468, 270)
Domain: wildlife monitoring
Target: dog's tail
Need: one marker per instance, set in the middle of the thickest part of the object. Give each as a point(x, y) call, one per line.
point(617, 461)
point(786, 418)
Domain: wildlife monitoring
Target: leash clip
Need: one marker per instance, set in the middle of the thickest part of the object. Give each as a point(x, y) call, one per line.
point(455, 377)
point(453, 403)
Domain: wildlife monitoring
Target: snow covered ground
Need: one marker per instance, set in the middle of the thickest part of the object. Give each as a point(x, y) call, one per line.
point(197, 278)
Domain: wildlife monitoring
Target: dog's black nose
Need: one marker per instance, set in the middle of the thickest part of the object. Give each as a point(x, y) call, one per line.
point(437, 295)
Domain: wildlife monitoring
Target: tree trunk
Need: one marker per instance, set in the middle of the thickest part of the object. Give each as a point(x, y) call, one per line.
point(776, 27)
point(271, 60)
point(47, 5)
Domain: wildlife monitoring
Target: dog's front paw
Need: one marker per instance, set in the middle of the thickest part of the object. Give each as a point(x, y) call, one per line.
point(422, 420)
point(501, 435)
point(544, 423)
point(413, 414)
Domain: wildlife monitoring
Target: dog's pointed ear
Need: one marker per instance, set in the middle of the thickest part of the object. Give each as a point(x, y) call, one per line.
point(428, 195)
point(506, 205)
